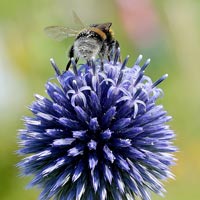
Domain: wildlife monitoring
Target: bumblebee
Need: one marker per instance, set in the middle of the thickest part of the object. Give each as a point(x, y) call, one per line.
point(90, 42)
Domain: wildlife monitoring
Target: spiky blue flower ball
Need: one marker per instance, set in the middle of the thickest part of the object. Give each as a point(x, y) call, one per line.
point(99, 136)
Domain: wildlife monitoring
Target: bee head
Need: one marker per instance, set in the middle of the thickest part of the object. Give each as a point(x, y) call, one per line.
point(105, 27)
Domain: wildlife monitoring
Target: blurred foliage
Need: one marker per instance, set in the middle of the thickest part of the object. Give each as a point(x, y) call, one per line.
point(24, 69)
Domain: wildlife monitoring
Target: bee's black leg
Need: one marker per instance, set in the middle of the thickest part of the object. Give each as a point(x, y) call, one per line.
point(116, 44)
point(68, 64)
point(116, 47)
point(101, 62)
point(88, 62)
point(102, 65)
point(71, 55)
point(108, 56)
point(76, 60)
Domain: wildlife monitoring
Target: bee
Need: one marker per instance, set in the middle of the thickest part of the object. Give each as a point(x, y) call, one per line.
point(90, 42)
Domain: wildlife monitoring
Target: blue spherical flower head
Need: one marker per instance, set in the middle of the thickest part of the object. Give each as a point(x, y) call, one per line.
point(99, 136)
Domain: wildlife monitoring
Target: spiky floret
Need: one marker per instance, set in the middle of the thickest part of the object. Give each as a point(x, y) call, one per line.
point(100, 135)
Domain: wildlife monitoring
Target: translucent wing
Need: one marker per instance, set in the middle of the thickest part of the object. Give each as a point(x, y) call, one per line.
point(77, 20)
point(60, 33)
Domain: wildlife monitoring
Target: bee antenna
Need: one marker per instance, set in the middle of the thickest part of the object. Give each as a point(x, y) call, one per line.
point(117, 56)
point(74, 66)
point(55, 66)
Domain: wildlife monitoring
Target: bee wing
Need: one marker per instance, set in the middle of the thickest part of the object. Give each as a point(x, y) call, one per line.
point(60, 33)
point(104, 26)
point(77, 20)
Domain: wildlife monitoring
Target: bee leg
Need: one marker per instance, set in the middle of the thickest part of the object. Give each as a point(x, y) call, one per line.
point(116, 44)
point(113, 46)
point(88, 62)
point(108, 56)
point(103, 53)
point(101, 62)
point(68, 65)
point(102, 65)
point(71, 55)
point(76, 60)
point(116, 47)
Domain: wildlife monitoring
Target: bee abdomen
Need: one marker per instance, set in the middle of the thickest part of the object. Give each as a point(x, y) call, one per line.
point(87, 47)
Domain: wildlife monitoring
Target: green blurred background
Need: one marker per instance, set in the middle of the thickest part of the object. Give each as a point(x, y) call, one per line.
point(166, 31)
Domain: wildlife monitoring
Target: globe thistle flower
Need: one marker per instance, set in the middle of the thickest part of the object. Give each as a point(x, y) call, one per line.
point(100, 135)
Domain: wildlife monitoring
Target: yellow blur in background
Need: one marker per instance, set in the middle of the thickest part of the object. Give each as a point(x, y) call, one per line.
point(168, 32)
